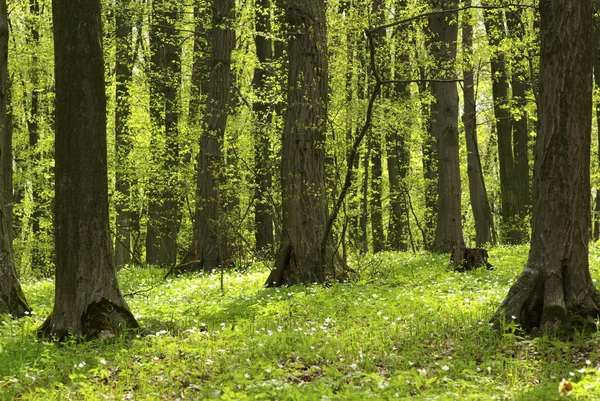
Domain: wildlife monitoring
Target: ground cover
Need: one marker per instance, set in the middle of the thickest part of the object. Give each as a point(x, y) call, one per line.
point(406, 329)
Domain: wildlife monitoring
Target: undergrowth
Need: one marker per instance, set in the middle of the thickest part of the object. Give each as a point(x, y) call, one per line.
point(408, 329)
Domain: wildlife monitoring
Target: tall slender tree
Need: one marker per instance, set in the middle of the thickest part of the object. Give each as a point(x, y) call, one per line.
point(482, 214)
point(209, 235)
point(88, 300)
point(164, 202)
point(444, 121)
point(555, 288)
point(264, 115)
point(123, 143)
point(12, 299)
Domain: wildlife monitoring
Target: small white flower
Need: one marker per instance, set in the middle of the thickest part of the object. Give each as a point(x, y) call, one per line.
point(268, 370)
point(513, 317)
point(571, 374)
point(103, 361)
point(588, 362)
point(422, 372)
point(445, 368)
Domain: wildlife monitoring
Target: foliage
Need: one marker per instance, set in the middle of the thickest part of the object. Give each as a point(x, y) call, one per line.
point(408, 328)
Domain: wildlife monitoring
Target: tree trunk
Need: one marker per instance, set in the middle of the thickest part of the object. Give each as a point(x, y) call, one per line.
point(164, 203)
point(482, 214)
point(12, 299)
point(209, 221)
point(444, 121)
point(303, 148)
point(512, 230)
point(555, 288)
point(263, 215)
point(88, 301)
point(123, 144)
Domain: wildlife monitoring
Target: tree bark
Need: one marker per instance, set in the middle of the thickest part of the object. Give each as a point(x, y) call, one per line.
point(512, 230)
point(164, 202)
point(303, 149)
point(263, 209)
point(482, 214)
point(555, 289)
point(123, 144)
point(12, 299)
point(209, 221)
point(88, 301)
point(444, 120)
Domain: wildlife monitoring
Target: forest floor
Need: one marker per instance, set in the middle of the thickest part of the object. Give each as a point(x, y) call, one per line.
point(408, 329)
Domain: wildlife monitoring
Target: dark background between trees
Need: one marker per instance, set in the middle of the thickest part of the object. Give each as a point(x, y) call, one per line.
point(297, 132)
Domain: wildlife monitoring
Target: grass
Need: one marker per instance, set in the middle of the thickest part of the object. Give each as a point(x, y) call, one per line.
point(408, 329)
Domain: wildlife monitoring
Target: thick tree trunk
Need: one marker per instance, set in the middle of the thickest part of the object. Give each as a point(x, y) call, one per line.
point(123, 145)
point(555, 288)
point(263, 208)
point(88, 300)
point(209, 221)
point(482, 214)
point(303, 153)
point(444, 121)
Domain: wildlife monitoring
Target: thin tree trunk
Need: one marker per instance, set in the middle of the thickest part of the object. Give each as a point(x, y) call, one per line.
point(444, 123)
point(263, 215)
point(512, 227)
point(556, 289)
point(12, 299)
point(519, 120)
point(484, 225)
point(164, 203)
point(208, 229)
point(123, 145)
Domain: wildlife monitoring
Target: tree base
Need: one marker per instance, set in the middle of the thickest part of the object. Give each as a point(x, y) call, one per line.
point(101, 320)
point(539, 304)
point(464, 259)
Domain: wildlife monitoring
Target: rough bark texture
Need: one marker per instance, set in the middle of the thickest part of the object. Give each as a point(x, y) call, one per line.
point(263, 208)
point(12, 299)
point(482, 214)
point(303, 154)
point(123, 145)
point(444, 121)
point(164, 202)
point(555, 288)
point(209, 236)
point(85, 269)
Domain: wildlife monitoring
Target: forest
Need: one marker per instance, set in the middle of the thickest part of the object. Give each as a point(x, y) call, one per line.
point(299, 199)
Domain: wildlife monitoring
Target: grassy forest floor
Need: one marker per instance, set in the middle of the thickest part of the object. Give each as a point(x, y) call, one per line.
point(407, 329)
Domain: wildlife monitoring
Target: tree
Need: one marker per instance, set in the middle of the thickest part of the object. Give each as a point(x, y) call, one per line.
point(88, 300)
point(510, 148)
point(444, 121)
point(164, 202)
point(555, 288)
point(482, 214)
point(12, 299)
point(123, 143)
point(209, 241)
point(304, 202)
point(262, 147)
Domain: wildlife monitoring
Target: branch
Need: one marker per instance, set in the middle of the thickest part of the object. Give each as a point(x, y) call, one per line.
point(453, 10)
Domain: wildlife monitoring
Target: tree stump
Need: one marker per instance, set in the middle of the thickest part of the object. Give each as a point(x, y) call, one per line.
point(464, 259)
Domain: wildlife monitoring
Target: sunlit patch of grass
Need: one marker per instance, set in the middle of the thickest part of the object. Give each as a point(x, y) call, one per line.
point(407, 328)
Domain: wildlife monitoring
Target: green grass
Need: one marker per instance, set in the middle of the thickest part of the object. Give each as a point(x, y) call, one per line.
point(408, 329)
